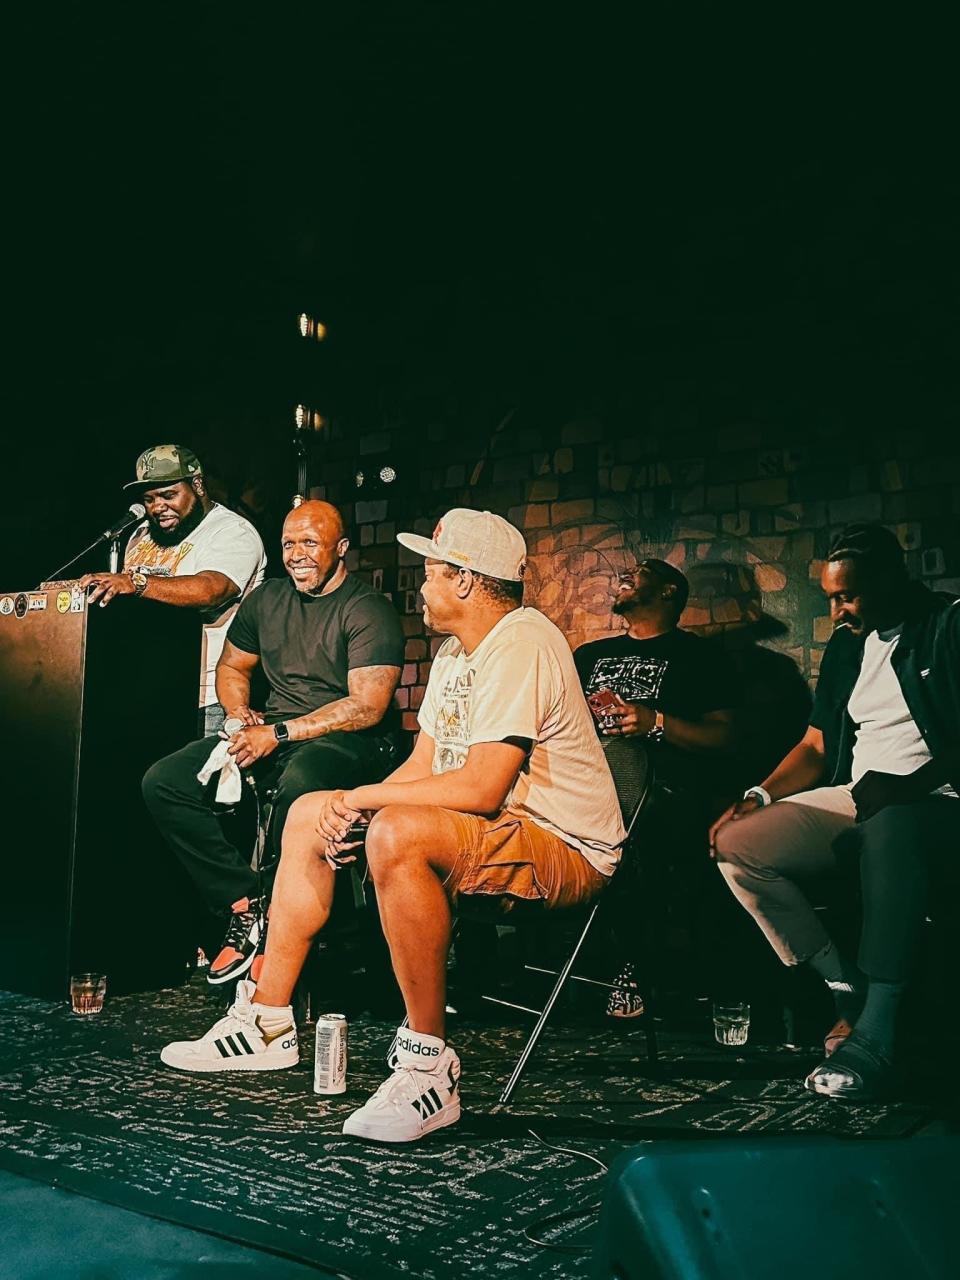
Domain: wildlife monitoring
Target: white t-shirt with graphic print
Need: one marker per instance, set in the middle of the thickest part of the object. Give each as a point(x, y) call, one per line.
point(223, 542)
point(520, 682)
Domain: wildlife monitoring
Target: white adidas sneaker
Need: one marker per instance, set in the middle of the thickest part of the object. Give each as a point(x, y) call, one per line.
point(236, 1042)
point(422, 1094)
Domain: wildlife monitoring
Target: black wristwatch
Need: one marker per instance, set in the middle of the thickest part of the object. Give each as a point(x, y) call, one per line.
point(281, 732)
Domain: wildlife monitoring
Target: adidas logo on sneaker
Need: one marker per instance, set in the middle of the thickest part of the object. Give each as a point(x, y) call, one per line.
point(409, 1045)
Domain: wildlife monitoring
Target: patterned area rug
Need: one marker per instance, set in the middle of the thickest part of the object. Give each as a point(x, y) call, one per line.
point(86, 1104)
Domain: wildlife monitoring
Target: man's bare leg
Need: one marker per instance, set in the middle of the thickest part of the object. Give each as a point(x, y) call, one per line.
point(300, 905)
point(411, 850)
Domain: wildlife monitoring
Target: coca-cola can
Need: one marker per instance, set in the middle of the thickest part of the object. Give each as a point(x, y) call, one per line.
point(330, 1055)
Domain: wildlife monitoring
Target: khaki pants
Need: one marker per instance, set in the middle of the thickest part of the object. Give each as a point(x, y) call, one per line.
point(763, 855)
point(908, 861)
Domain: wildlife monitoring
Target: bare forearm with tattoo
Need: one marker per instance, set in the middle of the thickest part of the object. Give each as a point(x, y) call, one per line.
point(233, 689)
point(369, 693)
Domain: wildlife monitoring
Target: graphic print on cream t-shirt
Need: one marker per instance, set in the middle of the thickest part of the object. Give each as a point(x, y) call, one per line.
point(452, 737)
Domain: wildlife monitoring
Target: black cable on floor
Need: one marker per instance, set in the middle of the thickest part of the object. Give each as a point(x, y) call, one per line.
point(557, 1218)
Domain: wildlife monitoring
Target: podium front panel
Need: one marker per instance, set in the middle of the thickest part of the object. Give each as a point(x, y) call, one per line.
point(88, 700)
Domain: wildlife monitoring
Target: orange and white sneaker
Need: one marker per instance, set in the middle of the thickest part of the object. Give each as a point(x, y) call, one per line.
point(239, 1042)
point(241, 941)
point(422, 1093)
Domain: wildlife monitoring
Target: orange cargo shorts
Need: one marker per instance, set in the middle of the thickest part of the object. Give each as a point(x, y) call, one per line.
point(515, 860)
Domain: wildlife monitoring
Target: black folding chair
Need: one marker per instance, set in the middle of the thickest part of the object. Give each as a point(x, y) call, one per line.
point(632, 770)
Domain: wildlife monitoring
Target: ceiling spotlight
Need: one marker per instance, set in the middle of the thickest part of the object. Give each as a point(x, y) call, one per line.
point(358, 479)
point(308, 419)
point(388, 475)
point(310, 328)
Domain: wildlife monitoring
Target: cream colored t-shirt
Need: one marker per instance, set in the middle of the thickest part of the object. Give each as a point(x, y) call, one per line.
point(520, 682)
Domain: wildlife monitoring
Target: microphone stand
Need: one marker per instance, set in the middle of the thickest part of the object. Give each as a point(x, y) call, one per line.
point(301, 445)
point(114, 551)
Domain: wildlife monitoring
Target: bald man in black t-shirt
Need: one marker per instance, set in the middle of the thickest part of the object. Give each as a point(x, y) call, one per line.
point(331, 649)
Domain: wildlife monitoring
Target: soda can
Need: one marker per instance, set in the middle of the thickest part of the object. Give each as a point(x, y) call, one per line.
point(330, 1057)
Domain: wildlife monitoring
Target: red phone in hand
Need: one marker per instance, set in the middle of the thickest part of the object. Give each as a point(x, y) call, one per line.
point(602, 703)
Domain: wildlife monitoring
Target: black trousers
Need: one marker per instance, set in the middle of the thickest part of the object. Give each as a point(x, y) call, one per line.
point(185, 811)
point(909, 857)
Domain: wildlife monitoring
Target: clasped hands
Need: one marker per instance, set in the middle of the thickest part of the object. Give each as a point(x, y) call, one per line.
point(337, 815)
point(255, 741)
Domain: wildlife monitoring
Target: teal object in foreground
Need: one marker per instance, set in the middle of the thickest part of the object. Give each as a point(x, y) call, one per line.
point(790, 1208)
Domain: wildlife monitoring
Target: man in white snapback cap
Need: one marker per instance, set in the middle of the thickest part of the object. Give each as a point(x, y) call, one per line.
point(506, 795)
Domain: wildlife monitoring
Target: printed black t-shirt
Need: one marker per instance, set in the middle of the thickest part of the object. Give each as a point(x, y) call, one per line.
point(308, 644)
point(678, 673)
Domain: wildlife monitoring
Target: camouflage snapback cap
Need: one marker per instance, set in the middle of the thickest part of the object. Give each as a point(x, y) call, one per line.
point(165, 464)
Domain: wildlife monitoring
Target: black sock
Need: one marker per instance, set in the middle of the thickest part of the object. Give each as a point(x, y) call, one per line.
point(878, 1020)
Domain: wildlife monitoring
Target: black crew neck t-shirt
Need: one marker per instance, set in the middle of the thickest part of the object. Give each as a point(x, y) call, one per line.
point(678, 673)
point(308, 644)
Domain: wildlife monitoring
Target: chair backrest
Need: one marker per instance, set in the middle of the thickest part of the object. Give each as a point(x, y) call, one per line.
point(632, 769)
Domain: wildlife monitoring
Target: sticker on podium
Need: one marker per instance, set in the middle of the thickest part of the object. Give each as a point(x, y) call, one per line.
point(6, 606)
point(77, 600)
point(63, 601)
point(20, 605)
point(37, 600)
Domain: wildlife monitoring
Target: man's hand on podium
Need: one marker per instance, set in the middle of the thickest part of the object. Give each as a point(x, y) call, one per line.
point(106, 586)
point(252, 743)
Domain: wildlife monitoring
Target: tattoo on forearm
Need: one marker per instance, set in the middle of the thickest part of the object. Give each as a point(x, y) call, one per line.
point(370, 692)
point(344, 714)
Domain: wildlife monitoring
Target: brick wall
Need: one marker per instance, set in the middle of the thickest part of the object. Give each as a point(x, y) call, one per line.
point(746, 511)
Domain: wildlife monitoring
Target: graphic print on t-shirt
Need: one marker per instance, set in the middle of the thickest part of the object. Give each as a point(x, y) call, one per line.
point(634, 678)
point(149, 558)
point(452, 739)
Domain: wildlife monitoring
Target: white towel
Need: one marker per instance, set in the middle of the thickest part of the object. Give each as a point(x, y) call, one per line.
point(229, 788)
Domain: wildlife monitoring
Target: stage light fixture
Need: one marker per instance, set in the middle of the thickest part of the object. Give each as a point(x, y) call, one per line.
point(358, 479)
point(311, 328)
point(308, 419)
point(388, 475)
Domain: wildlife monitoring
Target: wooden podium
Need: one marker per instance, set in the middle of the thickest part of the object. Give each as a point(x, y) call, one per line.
point(89, 698)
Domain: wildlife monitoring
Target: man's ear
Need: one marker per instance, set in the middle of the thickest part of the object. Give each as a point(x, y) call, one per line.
point(196, 483)
point(343, 546)
point(465, 584)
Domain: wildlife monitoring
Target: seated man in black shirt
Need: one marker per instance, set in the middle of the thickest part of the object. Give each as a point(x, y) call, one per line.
point(673, 689)
point(331, 649)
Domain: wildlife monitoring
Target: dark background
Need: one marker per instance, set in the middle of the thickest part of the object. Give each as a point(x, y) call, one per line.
point(697, 220)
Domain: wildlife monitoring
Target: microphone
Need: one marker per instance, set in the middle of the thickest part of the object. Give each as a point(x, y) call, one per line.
point(133, 515)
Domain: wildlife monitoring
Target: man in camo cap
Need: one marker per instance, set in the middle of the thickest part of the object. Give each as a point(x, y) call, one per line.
point(189, 552)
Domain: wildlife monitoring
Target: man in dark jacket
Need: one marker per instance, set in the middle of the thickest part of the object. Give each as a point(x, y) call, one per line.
point(877, 774)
